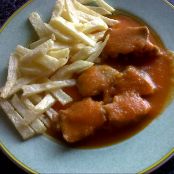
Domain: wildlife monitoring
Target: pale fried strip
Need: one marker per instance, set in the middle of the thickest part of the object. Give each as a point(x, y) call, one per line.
point(11, 77)
point(46, 46)
point(100, 10)
point(99, 49)
point(94, 26)
point(28, 58)
point(68, 70)
point(38, 42)
point(97, 36)
point(19, 83)
point(71, 11)
point(22, 51)
point(51, 113)
point(67, 27)
point(59, 35)
point(29, 90)
point(86, 1)
point(43, 118)
point(38, 25)
point(106, 6)
point(45, 104)
point(83, 54)
point(28, 71)
point(51, 63)
point(24, 130)
point(38, 126)
point(58, 8)
point(60, 53)
point(61, 96)
point(85, 9)
point(28, 115)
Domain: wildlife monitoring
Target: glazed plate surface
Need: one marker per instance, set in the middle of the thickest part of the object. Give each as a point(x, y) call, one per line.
point(133, 155)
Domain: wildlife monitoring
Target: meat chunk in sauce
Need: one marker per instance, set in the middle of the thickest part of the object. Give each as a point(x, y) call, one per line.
point(136, 80)
point(96, 80)
point(130, 40)
point(126, 108)
point(81, 119)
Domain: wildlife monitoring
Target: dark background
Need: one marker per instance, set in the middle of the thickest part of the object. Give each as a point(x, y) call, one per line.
point(7, 7)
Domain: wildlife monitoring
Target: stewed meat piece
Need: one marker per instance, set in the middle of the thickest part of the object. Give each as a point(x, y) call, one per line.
point(135, 80)
point(126, 108)
point(81, 119)
point(97, 79)
point(130, 40)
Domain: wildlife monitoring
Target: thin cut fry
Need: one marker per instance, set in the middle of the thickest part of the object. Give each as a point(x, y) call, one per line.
point(45, 104)
point(43, 118)
point(59, 35)
point(71, 11)
point(38, 42)
point(106, 6)
point(83, 54)
point(61, 96)
point(25, 131)
point(52, 114)
point(28, 115)
point(68, 70)
point(51, 63)
point(11, 77)
point(62, 24)
point(100, 10)
point(28, 71)
point(22, 51)
point(38, 25)
point(19, 83)
point(97, 36)
point(58, 8)
point(29, 90)
point(85, 9)
point(99, 49)
point(60, 53)
point(46, 46)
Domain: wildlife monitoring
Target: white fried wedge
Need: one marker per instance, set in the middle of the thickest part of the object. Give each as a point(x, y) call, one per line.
point(22, 51)
point(19, 83)
point(100, 10)
point(51, 63)
point(61, 96)
point(68, 70)
point(59, 35)
point(38, 42)
point(85, 9)
point(71, 12)
point(28, 115)
point(68, 27)
point(60, 53)
point(58, 8)
point(29, 90)
point(45, 104)
point(105, 5)
point(38, 25)
point(83, 54)
point(24, 130)
point(11, 77)
point(99, 48)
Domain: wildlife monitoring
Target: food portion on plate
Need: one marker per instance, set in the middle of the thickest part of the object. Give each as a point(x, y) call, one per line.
point(94, 74)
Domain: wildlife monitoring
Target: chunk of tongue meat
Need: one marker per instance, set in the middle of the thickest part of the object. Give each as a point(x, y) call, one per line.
point(132, 41)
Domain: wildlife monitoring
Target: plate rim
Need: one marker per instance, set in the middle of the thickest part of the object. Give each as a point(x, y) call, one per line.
point(26, 168)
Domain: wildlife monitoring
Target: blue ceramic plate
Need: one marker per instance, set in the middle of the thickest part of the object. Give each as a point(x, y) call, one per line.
point(133, 155)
